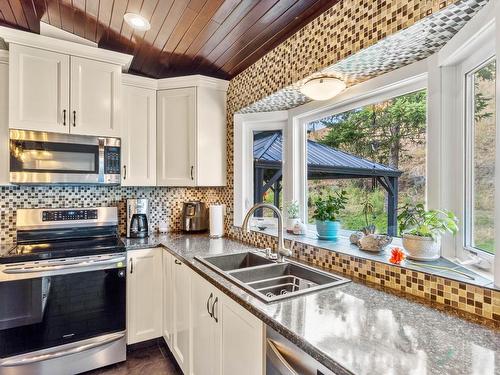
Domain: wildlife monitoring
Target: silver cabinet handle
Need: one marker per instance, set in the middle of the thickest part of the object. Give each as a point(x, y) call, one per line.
point(213, 310)
point(124, 172)
point(208, 304)
point(275, 357)
point(27, 359)
point(59, 267)
point(192, 172)
point(131, 266)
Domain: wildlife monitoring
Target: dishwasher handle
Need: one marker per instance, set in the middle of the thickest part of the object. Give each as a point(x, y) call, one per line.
point(277, 360)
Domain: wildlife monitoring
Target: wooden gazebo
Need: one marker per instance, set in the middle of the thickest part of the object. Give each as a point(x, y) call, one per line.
point(323, 163)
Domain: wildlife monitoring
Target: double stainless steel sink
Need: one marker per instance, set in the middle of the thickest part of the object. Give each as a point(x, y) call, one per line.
point(268, 280)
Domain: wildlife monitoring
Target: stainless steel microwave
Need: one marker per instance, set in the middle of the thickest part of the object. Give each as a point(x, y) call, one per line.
point(53, 158)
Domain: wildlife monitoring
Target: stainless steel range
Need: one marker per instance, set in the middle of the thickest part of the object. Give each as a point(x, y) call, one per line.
point(62, 293)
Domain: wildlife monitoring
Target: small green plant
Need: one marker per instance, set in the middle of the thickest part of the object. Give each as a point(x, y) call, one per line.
point(292, 208)
point(418, 221)
point(368, 210)
point(327, 209)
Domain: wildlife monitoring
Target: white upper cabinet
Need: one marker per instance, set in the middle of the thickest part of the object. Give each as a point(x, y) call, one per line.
point(39, 89)
point(95, 96)
point(4, 118)
point(63, 87)
point(211, 137)
point(191, 147)
point(138, 136)
point(176, 142)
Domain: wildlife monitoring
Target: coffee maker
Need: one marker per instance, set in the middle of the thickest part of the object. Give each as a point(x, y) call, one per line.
point(137, 218)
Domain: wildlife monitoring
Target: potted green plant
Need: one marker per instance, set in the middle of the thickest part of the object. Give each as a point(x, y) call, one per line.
point(422, 230)
point(292, 210)
point(326, 212)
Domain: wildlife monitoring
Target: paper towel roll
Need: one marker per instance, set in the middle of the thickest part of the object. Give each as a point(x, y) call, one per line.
point(217, 212)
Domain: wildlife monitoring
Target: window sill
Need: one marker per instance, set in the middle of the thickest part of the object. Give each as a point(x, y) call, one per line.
point(344, 246)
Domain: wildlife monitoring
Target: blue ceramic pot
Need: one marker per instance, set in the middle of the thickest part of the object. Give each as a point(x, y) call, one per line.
point(328, 230)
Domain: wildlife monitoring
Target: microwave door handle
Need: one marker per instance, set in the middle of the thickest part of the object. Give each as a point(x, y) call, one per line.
point(278, 361)
point(26, 359)
point(60, 267)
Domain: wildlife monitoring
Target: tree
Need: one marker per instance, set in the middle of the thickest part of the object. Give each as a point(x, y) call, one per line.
point(482, 102)
point(379, 132)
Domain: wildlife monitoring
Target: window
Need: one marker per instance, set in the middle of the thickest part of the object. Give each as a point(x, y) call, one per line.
point(377, 154)
point(268, 169)
point(480, 157)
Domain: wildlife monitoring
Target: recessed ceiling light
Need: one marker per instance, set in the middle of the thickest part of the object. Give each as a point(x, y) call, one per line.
point(322, 88)
point(137, 21)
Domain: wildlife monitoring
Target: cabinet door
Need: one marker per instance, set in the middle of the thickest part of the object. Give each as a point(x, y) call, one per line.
point(4, 123)
point(205, 358)
point(176, 137)
point(38, 90)
point(181, 303)
point(144, 295)
point(242, 340)
point(138, 136)
point(95, 97)
point(211, 137)
point(168, 295)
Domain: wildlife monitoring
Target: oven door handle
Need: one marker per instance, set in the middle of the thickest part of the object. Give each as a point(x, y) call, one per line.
point(277, 359)
point(60, 267)
point(26, 359)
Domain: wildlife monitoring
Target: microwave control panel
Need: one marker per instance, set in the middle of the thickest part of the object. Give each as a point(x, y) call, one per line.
point(112, 160)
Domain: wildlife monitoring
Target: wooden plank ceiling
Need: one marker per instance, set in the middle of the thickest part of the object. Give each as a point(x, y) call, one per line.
point(219, 38)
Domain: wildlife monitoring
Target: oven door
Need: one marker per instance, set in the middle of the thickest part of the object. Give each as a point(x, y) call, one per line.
point(52, 304)
point(46, 158)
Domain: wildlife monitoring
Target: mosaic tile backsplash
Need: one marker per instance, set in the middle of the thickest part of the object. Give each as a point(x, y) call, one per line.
point(165, 203)
point(335, 40)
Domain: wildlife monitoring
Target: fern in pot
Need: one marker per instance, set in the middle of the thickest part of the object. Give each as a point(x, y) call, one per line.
point(422, 230)
point(326, 211)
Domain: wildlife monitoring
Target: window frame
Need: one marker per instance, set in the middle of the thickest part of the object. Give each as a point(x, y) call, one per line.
point(483, 57)
point(244, 127)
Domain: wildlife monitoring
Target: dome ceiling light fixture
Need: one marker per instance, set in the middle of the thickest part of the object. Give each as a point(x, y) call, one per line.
point(137, 21)
point(322, 88)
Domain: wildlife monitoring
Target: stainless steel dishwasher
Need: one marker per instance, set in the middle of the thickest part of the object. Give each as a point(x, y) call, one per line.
point(285, 358)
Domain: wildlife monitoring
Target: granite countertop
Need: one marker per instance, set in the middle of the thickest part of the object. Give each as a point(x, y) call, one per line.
point(354, 328)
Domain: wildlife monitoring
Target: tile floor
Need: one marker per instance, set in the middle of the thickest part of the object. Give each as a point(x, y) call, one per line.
point(152, 360)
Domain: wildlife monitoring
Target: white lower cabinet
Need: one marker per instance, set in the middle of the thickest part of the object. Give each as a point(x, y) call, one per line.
point(226, 338)
point(207, 332)
point(168, 292)
point(181, 306)
point(242, 340)
point(144, 295)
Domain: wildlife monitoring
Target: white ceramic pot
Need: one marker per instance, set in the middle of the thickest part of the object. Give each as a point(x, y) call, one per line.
point(290, 224)
point(421, 248)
